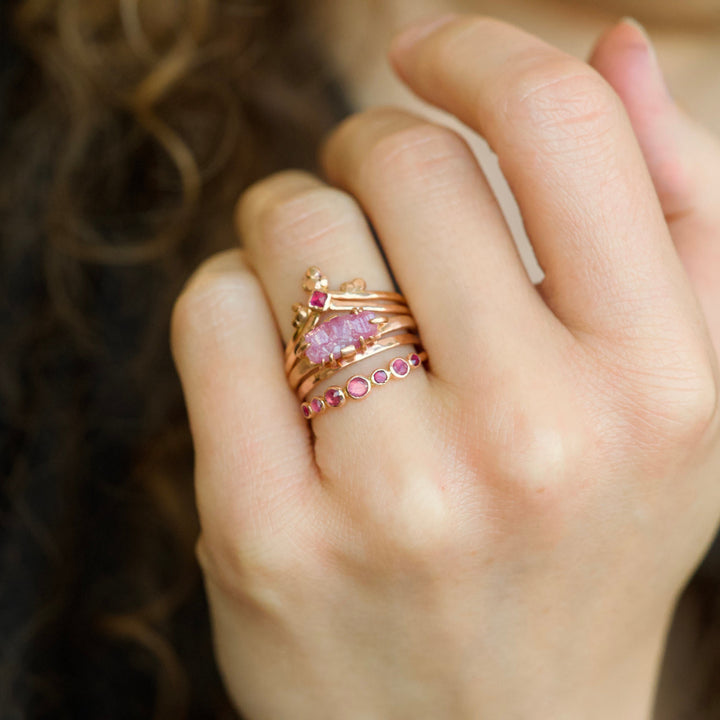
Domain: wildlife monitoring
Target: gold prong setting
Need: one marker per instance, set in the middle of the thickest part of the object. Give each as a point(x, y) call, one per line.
point(334, 329)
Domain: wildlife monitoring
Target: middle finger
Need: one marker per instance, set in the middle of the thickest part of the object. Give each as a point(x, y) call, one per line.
point(570, 156)
point(445, 237)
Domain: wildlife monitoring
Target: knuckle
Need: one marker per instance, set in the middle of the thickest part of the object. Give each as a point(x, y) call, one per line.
point(266, 553)
point(678, 412)
point(407, 545)
point(705, 403)
point(210, 300)
point(263, 573)
point(420, 534)
point(541, 469)
point(446, 48)
point(567, 101)
point(663, 398)
point(307, 215)
point(266, 191)
point(415, 530)
point(538, 449)
point(419, 153)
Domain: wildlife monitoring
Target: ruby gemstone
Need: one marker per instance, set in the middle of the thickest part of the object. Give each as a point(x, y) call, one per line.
point(318, 300)
point(316, 405)
point(330, 337)
point(358, 387)
point(380, 377)
point(414, 359)
point(306, 410)
point(400, 367)
point(334, 396)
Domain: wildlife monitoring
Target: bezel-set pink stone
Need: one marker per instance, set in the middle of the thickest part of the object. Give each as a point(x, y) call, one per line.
point(399, 367)
point(357, 387)
point(334, 396)
point(318, 300)
point(380, 376)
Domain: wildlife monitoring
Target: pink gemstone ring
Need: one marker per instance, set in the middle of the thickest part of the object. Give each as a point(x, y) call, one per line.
point(359, 386)
point(336, 328)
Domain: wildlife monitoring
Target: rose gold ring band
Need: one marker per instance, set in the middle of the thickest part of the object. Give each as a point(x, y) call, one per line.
point(302, 366)
point(359, 386)
point(337, 328)
point(307, 385)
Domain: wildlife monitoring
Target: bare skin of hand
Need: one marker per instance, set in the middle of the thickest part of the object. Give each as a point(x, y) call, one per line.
point(503, 534)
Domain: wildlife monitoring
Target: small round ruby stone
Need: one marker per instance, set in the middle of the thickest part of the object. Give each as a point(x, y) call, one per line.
point(316, 405)
point(306, 410)
point(414, 359)
point(358, 387)
point(400, 367)
point(334, 396)
point(380, 377)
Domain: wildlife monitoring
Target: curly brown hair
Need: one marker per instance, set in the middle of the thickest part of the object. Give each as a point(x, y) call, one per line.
point(129, 130)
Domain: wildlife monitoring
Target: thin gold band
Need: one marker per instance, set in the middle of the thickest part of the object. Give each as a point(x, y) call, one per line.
point(338, 328)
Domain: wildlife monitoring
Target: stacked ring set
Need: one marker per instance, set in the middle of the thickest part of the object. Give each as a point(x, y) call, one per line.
point(337, 328)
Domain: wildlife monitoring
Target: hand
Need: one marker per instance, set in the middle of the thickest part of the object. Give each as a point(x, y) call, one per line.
point(505, 534)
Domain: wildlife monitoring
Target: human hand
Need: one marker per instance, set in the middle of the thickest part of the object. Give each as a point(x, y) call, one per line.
point(505, 534)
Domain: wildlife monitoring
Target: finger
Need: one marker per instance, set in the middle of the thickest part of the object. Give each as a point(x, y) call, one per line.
point(444, 234)
point(289, 222)
point(683, 158)
point(571, 158)
point(254, 462)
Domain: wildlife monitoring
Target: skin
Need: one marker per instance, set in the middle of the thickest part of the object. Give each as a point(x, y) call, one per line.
point(358, 35)
point(695, 14)
point(505, 533)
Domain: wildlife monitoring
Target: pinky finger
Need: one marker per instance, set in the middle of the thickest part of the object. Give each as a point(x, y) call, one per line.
point(254, 458)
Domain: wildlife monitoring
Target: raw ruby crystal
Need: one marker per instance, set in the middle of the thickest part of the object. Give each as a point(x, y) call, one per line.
point(334, 396)
point(358, 387)
point(414, 359)
point(330, 337)
point(399, 367)
point(318, 300)
point(316, 404)
point(380, 377)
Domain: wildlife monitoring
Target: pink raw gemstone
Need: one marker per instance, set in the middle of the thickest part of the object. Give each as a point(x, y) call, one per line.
point(306, 410)
point(318, 299)
point(414, 359)
point(330, 337)
point(400, 367)
point(380, 377)
point(358, 387)
point(334, 396)
point(316, 404)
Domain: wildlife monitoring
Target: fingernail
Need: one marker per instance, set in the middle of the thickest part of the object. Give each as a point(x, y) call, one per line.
point(641, 28)
point(415, 32)
point(652, 54)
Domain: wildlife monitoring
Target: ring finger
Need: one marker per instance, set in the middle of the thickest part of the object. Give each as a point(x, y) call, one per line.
point(292, 221)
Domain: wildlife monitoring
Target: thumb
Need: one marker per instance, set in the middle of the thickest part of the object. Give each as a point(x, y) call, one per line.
point(683, 157)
